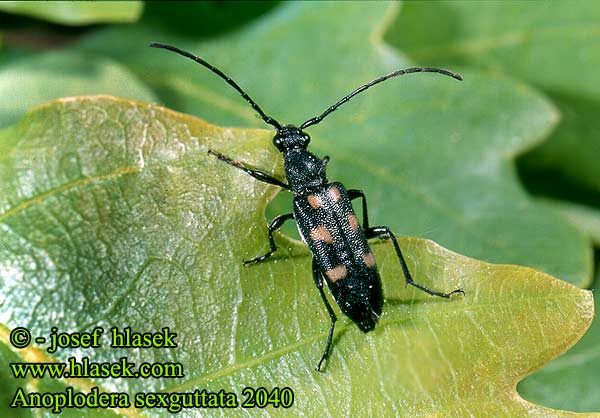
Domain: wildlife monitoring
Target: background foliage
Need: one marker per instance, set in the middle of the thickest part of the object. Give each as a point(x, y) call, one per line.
point(502, 167)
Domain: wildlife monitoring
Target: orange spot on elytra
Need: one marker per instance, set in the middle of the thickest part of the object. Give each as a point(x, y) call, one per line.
point(314, 201)
point(337, 273)
point(369, 259)
point(320, 233)
point(334, 193)
point(353, 221)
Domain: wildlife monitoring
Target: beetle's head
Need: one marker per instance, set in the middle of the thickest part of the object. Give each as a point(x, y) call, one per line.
point(290, 137)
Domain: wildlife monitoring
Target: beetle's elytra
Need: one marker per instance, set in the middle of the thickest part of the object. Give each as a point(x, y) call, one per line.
point(324, 215)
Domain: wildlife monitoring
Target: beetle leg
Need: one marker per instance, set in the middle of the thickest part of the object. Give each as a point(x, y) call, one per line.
point(385, 232)
point(273, 226)
point(355, 193)
point(319, 283)
point(257, 174)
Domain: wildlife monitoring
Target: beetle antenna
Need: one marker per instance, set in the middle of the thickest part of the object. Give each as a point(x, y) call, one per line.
point(221, 74)
point(362, 88)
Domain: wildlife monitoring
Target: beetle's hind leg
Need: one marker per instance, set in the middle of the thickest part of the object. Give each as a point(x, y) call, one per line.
point(385, 232)
point(273, 226)
point(257, 174)
point(318, 278)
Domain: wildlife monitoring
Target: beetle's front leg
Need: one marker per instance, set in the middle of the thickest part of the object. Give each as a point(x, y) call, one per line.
point(257, 174)
point(385, 232)
point(273, 226)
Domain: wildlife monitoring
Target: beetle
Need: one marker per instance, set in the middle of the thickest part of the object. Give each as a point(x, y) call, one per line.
point(324, 215)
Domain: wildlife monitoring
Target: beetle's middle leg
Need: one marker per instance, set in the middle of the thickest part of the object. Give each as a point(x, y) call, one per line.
point(385, 232)
point(257, 174)
point(354, 194)
point(273, 226)
point(318, 278)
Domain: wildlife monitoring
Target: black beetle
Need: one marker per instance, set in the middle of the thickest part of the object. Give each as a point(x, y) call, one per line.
point(324, 215)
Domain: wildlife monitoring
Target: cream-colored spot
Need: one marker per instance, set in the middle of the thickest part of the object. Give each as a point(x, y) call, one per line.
point(334, 194)
point(353, 221)
point(337, 273)
point(314, 201)
point(320, 233)
point(369, 259)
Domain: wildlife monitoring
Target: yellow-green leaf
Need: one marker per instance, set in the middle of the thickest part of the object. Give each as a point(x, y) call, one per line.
point(113, 214)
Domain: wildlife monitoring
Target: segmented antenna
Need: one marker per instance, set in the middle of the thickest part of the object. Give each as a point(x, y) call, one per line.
point(362, 88)
point(220, 73)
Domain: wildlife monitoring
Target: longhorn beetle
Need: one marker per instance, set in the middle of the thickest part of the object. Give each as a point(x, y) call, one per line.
point(324, 215)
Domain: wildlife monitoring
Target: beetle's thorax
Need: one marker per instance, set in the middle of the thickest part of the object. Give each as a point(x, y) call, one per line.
point(304, 171)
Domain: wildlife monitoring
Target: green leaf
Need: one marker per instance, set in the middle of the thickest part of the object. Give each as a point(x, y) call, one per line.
point(77, 12)
point(585, 218)
point(525, 37)
point(574, 148)
point(554, 48)
point(113, 214)
point(571, 381)
point(33, 80)
point(433, 156)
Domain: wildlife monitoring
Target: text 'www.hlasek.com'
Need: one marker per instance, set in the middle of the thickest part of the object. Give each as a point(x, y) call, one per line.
point(79, 373)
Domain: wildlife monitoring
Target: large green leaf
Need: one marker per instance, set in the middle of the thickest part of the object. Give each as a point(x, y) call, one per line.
point(434, 156)
point(554, 48)
point(525, 37)
point(584, 217)
point(113, 214)
point(77, 12)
